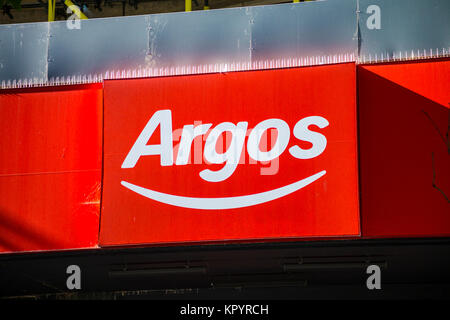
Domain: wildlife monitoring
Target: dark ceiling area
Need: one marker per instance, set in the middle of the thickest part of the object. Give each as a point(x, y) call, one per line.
point(410, 268)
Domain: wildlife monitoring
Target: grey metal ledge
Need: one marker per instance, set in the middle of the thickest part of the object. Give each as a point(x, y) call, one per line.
point(225, 40)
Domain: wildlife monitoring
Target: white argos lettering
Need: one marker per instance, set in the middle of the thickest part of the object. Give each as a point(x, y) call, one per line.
point(280, 145)
point(318, 140)
point(232, 155)
point(163, 118)
point(187, 137)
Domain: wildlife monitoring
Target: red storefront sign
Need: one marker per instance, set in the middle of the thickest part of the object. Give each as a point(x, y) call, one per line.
point(404, 122)
point(50, 167)
point(247, 155)
point(243, 156)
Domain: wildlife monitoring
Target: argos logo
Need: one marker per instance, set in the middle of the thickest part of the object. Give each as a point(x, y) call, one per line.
point(230, 157)
point(242, 155)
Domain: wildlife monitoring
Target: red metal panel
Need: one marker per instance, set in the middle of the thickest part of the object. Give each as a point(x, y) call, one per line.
point(50, 167)
point(326, 207)
point(404, 149)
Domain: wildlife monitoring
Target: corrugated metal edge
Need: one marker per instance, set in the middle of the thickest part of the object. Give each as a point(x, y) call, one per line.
point(345, 57)
point(178, 71)
point(419, 54)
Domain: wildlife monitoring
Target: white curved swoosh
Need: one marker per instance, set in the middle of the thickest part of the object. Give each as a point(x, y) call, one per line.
point(223, 203)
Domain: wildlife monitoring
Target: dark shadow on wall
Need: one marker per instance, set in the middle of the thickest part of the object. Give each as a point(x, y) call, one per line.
point(404, 160)
point(18, 235)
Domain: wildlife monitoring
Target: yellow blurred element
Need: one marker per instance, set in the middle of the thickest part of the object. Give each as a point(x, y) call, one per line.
point(51, 10)
point(188, 5)
point(75, 9)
